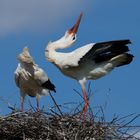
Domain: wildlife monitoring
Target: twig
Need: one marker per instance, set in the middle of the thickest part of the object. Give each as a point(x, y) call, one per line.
point(130, 121)
point(56, 104)
point(31, 105)
point(9, 105)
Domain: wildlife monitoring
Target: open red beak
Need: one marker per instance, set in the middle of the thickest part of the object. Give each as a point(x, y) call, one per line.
point(74, 29)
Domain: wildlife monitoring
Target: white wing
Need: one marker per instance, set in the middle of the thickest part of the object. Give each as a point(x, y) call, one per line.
point(98, 52)
point(39, 75)
point(17, 76)
point(42, 79)
point(72, 59)
point(21, 74)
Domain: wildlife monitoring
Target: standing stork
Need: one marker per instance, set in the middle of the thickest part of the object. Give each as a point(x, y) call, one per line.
point(31, 79)
point(91, 61)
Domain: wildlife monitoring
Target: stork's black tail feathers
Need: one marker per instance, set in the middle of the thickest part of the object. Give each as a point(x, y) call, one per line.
point(114, 51)
point(49, 85)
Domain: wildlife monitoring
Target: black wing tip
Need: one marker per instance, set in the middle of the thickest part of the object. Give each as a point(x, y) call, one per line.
point(129, 42)
point(130, 56)
point(49, 85)
point(129, 59)
point(54, 90)
point(126, 41)
point(122, 41)
point(107, 50)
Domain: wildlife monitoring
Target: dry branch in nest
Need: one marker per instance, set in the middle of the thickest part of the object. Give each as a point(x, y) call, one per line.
point(49, 126)
point(57, 125)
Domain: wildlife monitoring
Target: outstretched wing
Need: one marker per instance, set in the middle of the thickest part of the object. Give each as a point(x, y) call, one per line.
point(104, 51)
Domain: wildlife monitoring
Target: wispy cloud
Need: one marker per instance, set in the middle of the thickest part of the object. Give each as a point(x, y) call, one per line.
point(17, 15)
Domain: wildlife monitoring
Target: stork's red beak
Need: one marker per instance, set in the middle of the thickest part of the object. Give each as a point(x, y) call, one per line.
point(74, 29)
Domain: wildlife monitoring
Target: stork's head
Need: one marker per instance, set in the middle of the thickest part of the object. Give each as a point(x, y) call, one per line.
point(67, 40)
point(25, 57)
point(70, 34)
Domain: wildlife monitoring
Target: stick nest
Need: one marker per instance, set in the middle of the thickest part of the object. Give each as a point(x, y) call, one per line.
point(48, 126)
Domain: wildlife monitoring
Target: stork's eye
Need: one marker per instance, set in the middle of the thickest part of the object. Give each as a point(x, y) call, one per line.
point(73, 38)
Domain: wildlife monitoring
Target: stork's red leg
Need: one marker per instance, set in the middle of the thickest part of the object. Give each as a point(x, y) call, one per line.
point(85, 102)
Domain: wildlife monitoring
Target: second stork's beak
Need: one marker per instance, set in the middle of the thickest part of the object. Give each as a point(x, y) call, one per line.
point(74, 29)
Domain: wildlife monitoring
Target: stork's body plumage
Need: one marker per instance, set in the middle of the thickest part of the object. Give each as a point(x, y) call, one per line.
point(91, 61)
point(31, 79)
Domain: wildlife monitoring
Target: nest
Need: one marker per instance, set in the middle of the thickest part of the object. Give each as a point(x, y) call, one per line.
point(57, 125)
point(41, 125)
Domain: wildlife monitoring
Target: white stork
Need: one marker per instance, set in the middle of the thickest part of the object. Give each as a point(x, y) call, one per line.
point(31, 79)
point(91, 61)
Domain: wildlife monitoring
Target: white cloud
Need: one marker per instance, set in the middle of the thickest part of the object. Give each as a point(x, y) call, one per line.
point(18, 15)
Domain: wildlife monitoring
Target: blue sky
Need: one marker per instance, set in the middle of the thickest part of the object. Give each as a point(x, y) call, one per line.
point(34, 23)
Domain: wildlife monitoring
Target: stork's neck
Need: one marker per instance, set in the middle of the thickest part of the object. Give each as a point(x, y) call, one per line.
point(59, 44)
point(64, 42)
point(50, 51)
point(52, 47)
